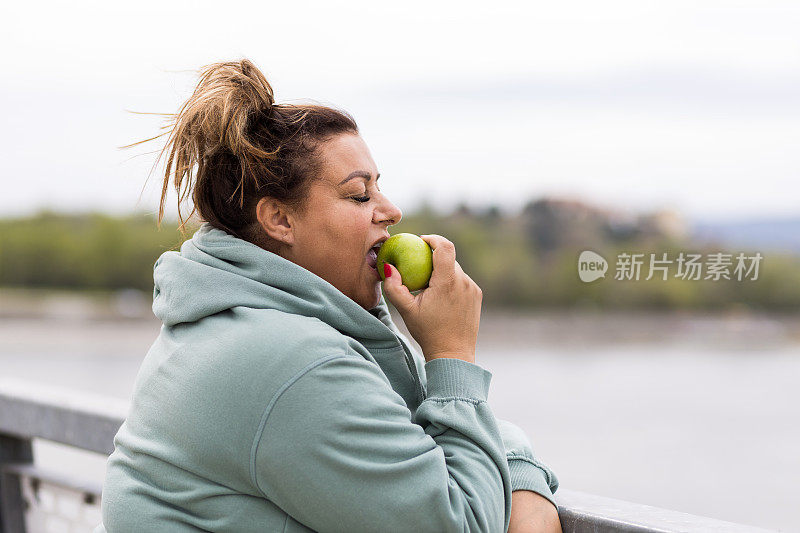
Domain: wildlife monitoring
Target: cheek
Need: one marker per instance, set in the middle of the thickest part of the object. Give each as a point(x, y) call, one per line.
point(343, 236)
point(352, 225)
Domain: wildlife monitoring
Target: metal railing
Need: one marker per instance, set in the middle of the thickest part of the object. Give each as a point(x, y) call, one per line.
point(33, 500)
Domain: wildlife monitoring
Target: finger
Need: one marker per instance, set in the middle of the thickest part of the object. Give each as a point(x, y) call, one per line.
point(444, 256)
point(435, 241)
point(461, 275)
point(458, 270)
point(397, 293)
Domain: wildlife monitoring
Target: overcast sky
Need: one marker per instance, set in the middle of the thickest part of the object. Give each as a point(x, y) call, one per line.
point(688, 105)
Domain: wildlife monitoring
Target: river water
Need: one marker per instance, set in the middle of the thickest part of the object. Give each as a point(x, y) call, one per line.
point(691, 413)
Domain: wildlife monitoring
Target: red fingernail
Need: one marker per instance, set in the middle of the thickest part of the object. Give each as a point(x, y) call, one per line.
point(386, 270)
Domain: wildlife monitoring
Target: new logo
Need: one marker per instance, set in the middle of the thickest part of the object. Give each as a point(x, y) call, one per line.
point(591, 266)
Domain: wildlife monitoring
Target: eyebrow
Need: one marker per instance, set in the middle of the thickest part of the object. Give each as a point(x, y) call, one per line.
point(359, 174)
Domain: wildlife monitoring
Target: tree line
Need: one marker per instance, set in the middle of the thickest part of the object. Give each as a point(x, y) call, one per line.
point(523, 260)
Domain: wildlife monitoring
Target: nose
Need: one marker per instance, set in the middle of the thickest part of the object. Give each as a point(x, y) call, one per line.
point(387, 213)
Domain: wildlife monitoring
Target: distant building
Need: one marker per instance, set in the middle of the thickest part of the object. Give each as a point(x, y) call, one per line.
point(553, 223)
point(666, 223)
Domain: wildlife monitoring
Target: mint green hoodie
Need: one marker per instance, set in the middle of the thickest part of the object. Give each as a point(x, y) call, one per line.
point(270, 401)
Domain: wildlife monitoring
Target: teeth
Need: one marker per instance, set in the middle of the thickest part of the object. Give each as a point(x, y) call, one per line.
point(372, 257)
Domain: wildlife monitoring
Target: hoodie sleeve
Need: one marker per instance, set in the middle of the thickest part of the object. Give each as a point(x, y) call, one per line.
point(337, 450)
point(527, 472)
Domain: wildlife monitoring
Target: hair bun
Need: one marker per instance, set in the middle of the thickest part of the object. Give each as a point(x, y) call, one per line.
point(226, 97)
point(264, 97)
point(242, 146)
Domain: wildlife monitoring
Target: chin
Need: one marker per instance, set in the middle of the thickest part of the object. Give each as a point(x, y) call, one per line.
point(371, 301)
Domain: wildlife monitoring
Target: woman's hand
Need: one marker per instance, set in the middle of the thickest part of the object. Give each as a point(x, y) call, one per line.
point(444, 317)
point(532, 513)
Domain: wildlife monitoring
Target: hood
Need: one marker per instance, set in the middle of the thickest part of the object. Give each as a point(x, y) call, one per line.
point(215, 271)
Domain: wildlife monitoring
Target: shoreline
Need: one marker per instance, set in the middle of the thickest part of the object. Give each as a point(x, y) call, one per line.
point(739, 329)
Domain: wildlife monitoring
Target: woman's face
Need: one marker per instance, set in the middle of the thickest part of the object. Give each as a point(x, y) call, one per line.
point(345, 215)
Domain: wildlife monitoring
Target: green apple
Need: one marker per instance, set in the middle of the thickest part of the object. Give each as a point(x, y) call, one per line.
point(411, 256)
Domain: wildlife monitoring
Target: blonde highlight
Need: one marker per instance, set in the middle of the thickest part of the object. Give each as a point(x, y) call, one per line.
point(230, 144)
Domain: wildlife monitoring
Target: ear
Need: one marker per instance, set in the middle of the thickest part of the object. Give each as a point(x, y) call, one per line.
point(276, 220)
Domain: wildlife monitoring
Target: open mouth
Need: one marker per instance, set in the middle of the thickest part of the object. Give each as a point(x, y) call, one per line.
point(372, 259)
point(372, 256)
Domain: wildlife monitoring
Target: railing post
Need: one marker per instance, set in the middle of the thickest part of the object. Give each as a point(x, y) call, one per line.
point(12, 506)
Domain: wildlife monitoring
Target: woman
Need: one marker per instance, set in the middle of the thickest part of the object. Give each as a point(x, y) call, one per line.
point(279, 395)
